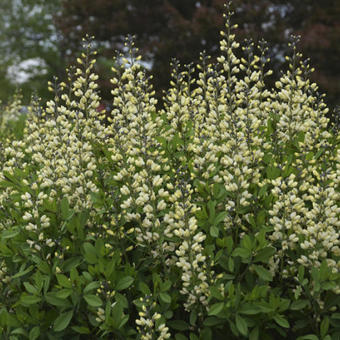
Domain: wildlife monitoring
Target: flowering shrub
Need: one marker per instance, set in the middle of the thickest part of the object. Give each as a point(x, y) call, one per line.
point(218, 214)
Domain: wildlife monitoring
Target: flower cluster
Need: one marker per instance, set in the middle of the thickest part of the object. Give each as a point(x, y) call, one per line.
point(11, 112)
point(150, 324)
point(138, 161)
point(190, 258)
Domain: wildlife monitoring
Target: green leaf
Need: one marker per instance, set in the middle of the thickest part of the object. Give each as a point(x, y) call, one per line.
point(268, 201)
point(309, 156)
point(90, 253)
point(63, 293)
point(193, 336)
point(324, 326)
point(117, 313)
point(62, 321)
point(10, 233)
point(301, 273)
point(44, 268)
point(218, 190)
point(87, 276)
point(93, 300)
point(66, 213)
point(5, 251)
point(201, 188)
point(272, 172)
point(206, 334)
point(297, 292)
point(308, 337)
point(50, 206)
point(241, 325)
point(264, 254)
point(91, 286)
point(300, 138)
point(254, 334)
point(214, 231)
point(328, 285)
point(193, 317)
point(299, 304)
point(144, 288)
point(123, 321)
point(231, 265)
point(23, 272)
point(249, 309)
point(221, 242)
point(284, 304)
point(29, 299)
point(281, 321)
point(179, 336)
point(122, 300)
point(261, 238)
point(108, 308)
point(220, 217)
point(211, 321)
point(211, 208)
point(229, 244)
point(242, 252)
point(19, 331)
point(52, 299)
point(268, 157)
point(71, 264)
point(216, 293)
point(216, 308)
point(124, 283)
point(30, 288)
point(263, 190)
point(34, 333)
point(247, 243)
point(81, 330)
point(166, 298)
point(178, 325)
point(263, 273)
point(165, 286)
point(64, 281)
point(324, 271)
point(336, 316)
point(319, 153)
point(251, 220)
point(261, 218)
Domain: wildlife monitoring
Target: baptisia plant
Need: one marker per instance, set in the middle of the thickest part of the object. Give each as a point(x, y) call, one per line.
point(216, 214)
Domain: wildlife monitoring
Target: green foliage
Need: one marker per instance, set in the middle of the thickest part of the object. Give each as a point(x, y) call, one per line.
point(216, 215)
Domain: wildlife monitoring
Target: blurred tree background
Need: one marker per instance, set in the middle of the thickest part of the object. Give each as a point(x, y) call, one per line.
point(30, 51)
point(51, 31)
